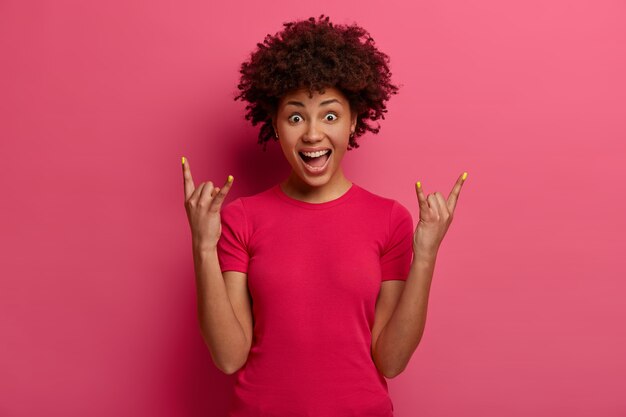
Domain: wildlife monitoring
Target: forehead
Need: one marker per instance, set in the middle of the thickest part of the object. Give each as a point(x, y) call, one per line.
point(302, 95)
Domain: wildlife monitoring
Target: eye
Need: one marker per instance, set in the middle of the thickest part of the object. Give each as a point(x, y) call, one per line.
point(331, 114)
point(291, 118)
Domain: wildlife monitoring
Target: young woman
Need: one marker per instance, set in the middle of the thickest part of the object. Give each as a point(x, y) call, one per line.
point(314, 290)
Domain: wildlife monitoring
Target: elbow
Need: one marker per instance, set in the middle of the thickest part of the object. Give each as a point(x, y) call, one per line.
point(389, 372)
point(231, 363)
point(392, 373)
point(227, 367)
point(232, 368)
point(224, 367)
point(229, 370)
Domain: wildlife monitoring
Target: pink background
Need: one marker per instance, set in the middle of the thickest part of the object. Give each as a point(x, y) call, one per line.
point(101, 99)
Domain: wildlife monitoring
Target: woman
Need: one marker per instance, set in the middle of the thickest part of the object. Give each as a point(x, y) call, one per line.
point(314, 290)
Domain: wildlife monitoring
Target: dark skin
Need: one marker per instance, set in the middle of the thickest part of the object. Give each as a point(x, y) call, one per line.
point(203, 205)
point(401, 306)
point(436, 214)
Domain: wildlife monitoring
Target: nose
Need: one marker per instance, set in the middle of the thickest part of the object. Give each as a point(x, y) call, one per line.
point(313, 133)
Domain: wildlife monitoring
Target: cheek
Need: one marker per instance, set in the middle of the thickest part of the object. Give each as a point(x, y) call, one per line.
point(338, 154)
point(288, 149)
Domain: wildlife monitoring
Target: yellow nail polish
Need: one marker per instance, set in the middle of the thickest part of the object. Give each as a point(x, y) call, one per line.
point(464, 176)
point(419, 184)
point(183, 160)
point(230, 178)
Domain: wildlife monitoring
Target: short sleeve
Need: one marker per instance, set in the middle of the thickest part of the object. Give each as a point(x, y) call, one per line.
point(232, 247)
point(395, 260)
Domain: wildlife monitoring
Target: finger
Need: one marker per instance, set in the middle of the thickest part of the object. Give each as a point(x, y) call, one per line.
point(441, 202)
point(205, 197)
point(195, 196)
point(421, 198)
point(454, 194)
point(215, 191)
point(433, 203)
point(187, 179)
point(216, 205)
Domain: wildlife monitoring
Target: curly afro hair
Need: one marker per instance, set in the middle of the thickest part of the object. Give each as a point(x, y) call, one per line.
point(316, 54)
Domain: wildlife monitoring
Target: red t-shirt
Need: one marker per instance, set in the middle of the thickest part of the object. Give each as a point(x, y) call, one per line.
point(314, 273)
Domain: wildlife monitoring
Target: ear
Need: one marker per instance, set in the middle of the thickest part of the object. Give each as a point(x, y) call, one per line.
point(353, 122)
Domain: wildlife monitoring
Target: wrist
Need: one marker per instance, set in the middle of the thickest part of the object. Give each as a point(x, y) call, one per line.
point(203, 249)
point(423, 255)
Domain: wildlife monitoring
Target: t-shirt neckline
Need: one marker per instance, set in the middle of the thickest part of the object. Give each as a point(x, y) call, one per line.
point(316, 206)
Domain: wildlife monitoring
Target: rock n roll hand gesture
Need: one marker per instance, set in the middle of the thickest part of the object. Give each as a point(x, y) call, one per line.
point(203, 205)
point(436, 214)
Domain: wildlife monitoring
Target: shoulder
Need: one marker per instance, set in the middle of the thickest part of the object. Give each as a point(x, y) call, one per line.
point(246, 212)
point(387, 206)
point(248, 203)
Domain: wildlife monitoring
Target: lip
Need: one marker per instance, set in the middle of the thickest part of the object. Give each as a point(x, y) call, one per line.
point(316, 171)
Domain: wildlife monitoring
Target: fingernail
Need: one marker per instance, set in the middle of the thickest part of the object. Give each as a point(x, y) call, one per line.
point(464, 176)
point(230, 178)
point(419, 184)
point(183, 160)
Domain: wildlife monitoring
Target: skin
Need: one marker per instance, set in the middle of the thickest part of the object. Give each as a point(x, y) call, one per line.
point(436, 214)
point(203, 205)
point(314, 124)
point(401, 305)
point(399, 329)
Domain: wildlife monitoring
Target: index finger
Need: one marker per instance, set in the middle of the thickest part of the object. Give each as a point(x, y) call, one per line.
point(454, 194)
point(421, 198)
point(187, 179)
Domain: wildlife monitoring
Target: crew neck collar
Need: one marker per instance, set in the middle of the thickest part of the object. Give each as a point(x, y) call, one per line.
point(316, 206)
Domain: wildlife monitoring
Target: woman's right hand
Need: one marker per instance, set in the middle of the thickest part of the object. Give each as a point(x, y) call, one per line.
point(203, 205)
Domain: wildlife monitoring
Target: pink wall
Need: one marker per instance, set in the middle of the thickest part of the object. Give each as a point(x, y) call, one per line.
point(101, 99)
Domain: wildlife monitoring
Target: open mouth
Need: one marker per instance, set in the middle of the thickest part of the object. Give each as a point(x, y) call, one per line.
point(316, 162)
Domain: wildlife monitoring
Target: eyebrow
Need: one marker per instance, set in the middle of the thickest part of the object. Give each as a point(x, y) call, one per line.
point(299, 104)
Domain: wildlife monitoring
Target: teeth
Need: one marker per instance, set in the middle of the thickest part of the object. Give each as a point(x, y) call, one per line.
point(316, 154)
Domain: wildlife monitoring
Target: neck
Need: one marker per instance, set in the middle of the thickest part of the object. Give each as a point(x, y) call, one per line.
point(296, 188)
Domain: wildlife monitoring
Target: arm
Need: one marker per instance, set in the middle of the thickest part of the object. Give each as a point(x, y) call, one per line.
point(221, 329)
point(400, 336)
point(402, 333)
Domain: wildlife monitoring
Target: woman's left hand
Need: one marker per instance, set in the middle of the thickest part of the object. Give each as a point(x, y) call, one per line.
point(435, 217)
